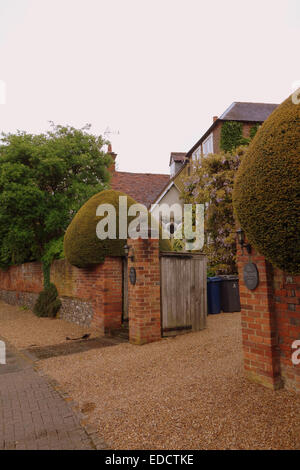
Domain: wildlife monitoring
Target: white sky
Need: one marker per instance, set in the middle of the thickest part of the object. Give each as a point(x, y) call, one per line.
point(155, 70)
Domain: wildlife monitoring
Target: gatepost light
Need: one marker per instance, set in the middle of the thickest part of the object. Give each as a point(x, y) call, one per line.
point(241, 239)
point(127, 249)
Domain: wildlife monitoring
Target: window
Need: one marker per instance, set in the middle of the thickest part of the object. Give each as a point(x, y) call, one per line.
point(208, 145)
point(197, 154)
point(172, 169)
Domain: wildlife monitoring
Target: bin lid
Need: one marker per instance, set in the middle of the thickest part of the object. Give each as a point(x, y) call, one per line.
point(229, 277)
point(214, 279)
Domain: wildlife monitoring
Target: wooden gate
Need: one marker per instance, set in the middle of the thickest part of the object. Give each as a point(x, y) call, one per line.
point(183, 292)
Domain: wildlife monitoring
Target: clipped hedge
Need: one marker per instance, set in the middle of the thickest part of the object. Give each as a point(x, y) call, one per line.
point(82, 247)
point(266, 195)
point(48, 303)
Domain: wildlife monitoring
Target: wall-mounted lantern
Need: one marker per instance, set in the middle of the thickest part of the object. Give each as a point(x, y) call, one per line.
point(241, 239)
point(127, 250)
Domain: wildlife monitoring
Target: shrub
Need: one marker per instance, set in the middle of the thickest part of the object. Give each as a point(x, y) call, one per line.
point(212, 184)
point(48, 303)
point(267, 189)
point(82, 247)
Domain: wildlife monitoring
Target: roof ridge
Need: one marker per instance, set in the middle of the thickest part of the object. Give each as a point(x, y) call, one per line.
point(255, 102)
point(135, 173)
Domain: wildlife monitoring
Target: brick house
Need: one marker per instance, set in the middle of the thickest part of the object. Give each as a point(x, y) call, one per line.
point(249, 114)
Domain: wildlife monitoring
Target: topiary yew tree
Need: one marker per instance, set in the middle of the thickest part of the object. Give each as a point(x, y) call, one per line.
point(82, 246)
point(44, 180)
point(267, 189)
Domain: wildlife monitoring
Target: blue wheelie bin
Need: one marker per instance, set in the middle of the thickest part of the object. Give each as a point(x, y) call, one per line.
point(213, 295)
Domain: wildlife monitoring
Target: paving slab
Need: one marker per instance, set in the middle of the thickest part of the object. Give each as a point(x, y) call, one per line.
point(33, 414)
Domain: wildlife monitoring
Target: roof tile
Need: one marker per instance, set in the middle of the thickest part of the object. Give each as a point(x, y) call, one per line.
point(251, 112)
point(143, 187)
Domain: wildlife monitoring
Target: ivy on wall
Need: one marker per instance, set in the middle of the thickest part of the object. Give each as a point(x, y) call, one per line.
point(253, 130)
point(232, 136)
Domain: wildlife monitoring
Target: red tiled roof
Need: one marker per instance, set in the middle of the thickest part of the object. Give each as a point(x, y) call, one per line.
point(143, 187)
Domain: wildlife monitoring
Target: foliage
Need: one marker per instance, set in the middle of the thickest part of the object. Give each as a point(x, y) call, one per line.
point(44, 180)
point(82, 247)
point(211, 271)
point(48, 303)
point(254, 130)
point(232, 136)
point(267, 189)
point(212, 184)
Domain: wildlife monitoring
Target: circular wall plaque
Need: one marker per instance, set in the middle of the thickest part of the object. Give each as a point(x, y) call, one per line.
point(132, 276)
point(251, 276)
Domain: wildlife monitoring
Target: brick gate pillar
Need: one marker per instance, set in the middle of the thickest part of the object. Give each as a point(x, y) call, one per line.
point(259, 329)
point(105, 283)
point(144, 295)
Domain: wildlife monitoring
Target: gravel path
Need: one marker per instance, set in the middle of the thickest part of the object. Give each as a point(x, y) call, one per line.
point(23, 329)
point(182, 393)
point(186, 392)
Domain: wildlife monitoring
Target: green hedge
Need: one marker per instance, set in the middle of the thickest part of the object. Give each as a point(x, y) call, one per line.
point(266, 195)
point(82, 247)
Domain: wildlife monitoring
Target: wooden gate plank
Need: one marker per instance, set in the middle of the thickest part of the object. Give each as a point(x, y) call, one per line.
point(183, 291)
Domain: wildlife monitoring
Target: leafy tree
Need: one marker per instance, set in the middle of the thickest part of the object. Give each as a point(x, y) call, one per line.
point(44, 180)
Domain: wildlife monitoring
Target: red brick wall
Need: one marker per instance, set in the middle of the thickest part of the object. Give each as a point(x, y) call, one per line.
point(270, 324)
point(101, 286)
point(24, 278)
point(217, 137)
point(144, 296)
point(286, 297)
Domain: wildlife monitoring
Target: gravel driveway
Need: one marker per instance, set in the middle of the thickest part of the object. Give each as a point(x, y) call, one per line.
point(182, 393)
point(186, 392)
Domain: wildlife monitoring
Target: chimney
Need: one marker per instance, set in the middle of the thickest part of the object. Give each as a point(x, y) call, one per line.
point(215, 118)
point(113, 155)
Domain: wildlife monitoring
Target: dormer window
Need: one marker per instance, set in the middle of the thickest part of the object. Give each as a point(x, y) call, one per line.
point(173, 169)
point(177, 160)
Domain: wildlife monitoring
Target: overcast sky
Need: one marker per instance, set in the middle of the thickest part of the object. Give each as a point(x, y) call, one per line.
point(157, 71)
